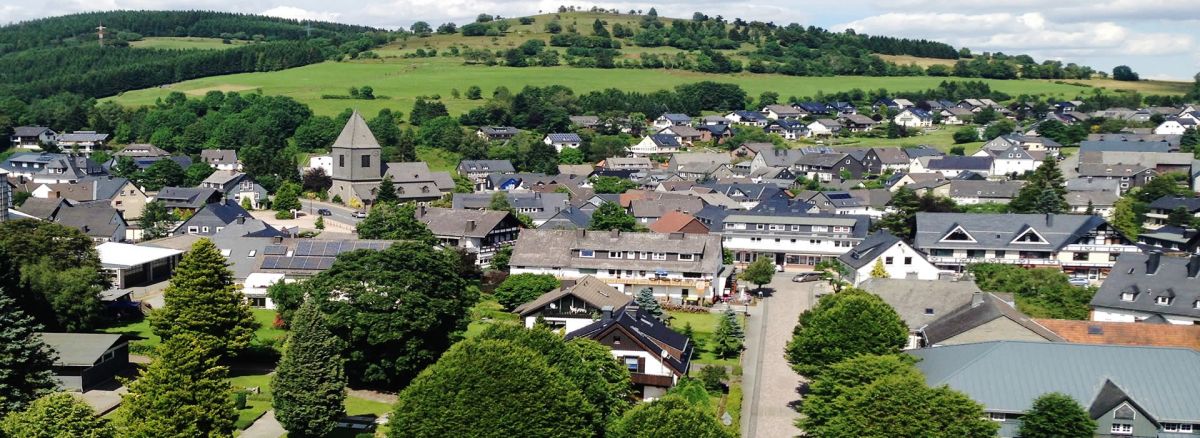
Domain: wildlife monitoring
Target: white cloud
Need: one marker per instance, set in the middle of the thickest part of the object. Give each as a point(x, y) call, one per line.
point(1060, 10)
point(301, 14)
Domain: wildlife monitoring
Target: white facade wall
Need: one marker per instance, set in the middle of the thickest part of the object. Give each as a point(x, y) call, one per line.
point(569, 324)
point(920, 268)
point(1119, 315)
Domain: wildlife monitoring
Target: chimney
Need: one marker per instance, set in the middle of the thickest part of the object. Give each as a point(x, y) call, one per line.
point(241, 219)
point(471, 225)
point(976, 299)
point(1152, 262)
point(421, 211)
point(1193, 266)
point(606, 313)
point(1049, 219)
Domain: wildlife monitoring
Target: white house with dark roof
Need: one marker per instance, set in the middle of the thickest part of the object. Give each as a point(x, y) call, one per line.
point(672, 119)
point(913, 118)
point(656, 144)
point(655, 355)
point(1080, 245)
point(898, 259)
point(563, 141)
point(221, 159)
point(82, 142)
point(496, 133)
point(1150, 288)
point(570, 308)
point(31, 137)
point(479, 232)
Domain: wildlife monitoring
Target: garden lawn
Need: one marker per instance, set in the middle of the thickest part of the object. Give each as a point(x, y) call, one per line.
point(941, 139)
point(487, 312)
point(402, 80)
point(703, 325)
point(266, 334)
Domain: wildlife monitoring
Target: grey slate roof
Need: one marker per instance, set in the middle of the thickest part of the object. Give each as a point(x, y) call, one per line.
point(569, 218)
point(491, 166)
point(1006, 376)
point(649, 331)
point(979, 312)
point(214, 215)
point(951, 162)
point(867, 250)
point(81, 136)
point(95, 219)
point(356, 134)
point(998, 230)
point(1172, 202)
point(41, 208)
point(457, 223)
point(185, 197)
point(218, 156)
point(553, 248)
point(920, 302)
point(665, 140)
point(79, 349)
point(1171, 279)
point(1124, 146)
point(29, 131)
point(565, 138)
point(1085, 184)
point(524, 202)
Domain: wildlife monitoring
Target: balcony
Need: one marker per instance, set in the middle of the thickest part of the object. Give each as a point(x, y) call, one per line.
point(652, 380)
point(688, 282)
point(970, 260)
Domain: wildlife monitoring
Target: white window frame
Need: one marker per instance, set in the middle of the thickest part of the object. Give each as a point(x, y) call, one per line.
point(659, 256)
point(997, 416)
point(1121, 429)
point(687, 257)
point(192, 229)
point(614, 254)
point(1186, 428)
point(1162, 301)
point(204, 229)
point(820, 228)
point(1128, 296)
point(252, 253)
point(587, 253)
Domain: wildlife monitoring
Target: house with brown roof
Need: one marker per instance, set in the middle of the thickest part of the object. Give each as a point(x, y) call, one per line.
point(479, 232)
point(678, 222)
point(574, 306)
point(1125, 333)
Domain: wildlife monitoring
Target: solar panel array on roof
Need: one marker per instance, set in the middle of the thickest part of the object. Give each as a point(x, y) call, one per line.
point(839, 195)
point(275, 250)
point(333, 248)
point(297, 263)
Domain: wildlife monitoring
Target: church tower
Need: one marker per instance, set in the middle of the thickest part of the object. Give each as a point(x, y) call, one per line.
point(357, 169)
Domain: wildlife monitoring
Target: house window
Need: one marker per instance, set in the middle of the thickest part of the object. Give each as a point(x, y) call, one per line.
point(1162, 301)
point(1127, 296)
point(997, 416)
point(887, 260)
point(193, 230)
point(341, 161)
point(908, 260)
point(1121, 429)
point(1079, 256)
point(929, 311)
point(258, 302)
point(758, 226)
point(660, 256)
point(1196, 304)
point(366, 161)
point(643, 255)
point(226, 252)
point(819, 228)
point(614, 254)
point(587, 253)
point(1187, 428)
point(631, 362)
point(795, 228)
point(687, 257)
point(252, 253)
point(204, 229)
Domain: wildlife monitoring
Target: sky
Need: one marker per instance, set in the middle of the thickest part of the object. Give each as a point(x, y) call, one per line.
point(1160, 39)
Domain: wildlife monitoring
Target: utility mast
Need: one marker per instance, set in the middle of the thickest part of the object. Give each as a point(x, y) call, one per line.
point(100, 33)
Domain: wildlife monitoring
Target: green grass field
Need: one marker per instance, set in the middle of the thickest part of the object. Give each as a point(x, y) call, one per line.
point(181, 43)
point(485, 313)
point(266, 334)
point(405, 79)
point(703, 325)
point(941, 139)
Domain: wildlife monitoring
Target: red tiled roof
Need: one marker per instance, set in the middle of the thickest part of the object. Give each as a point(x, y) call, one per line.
point(1125, 333)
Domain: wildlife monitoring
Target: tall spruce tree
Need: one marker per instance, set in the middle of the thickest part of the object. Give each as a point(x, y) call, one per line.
point(202, 299)
point(182, 394)
point(729, 336)
point(25, 361)
point(1044, 192)
point(310, 382)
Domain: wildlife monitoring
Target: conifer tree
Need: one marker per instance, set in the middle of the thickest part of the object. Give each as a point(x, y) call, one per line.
point(182, 394)
point(878, 271)
point(386, 191)
point(202, 299)
point(727, 340)
point(25, 361)
point(646, 301)
point(310, 383)
point(1044, 192)
point(54, 416)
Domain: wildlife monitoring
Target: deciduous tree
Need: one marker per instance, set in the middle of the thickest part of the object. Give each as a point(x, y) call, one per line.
point(610, 216)
point(843, 325)
point(670, 416)
point(394, 222)
point(759, 272)
point(156, 221)
point(58, 415)
point(521, 288)
point(1057, 415)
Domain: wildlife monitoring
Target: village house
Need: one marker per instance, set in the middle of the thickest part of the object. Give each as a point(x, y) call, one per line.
point(237, 187)
point(1127, 175)
point(187, 200)
point(1162, 207)
point(31, 137)
point(478, 171)
point(96, 219)
point(921, 302)
point(686, 134)
point(913, 118)
point(563, 141)
point(747, 118)
point(212, 218)
point(1173, 127)
point(824, 128)
point(656, 144)
point(120, 193)
point(81, 142)
point(778, 112)
point(790, 239)
point(988, 317)
point(1150, 288)
point(83, 361)
point(880, 160)
point(828, 167)
point(539, 206)
point(497, 133)
point(718, 132)
point(478, 232)
point(572, 307)
point(50, 168)
point(672, 119)
point(679, 267)
point(951, 166)
point(678, 222)
point(1014, 161)
point(1080, 245)
point(982, 192)
point(655, 355)
point(857, 123)
point(956, 116)
point(899, 259)
point(628, 163)
point(789, 129)
point(1096, 202)
point(221, 159)
point(699, 166)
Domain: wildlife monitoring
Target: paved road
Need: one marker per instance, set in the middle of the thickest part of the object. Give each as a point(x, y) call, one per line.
point(340, 213)
point(767, 408)
point(265, 427)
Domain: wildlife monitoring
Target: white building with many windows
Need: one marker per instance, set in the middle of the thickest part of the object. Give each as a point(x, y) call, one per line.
point(791, 240)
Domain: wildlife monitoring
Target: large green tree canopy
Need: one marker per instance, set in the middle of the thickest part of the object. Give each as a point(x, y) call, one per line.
point(844, 325)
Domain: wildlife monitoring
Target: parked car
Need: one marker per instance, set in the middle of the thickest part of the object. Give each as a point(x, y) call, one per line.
point(360, 214)
point(805, 277)
point(324, 212)
point(1079, 281)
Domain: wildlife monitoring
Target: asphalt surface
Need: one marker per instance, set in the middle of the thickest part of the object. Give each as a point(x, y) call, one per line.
point(339, 213)
point(771, 385)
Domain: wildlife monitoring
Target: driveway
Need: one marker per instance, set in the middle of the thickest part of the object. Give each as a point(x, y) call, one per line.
point(265, 427)
point(771, 385)
point(340, 213)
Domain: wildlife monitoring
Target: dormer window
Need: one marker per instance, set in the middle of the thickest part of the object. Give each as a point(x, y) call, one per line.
point(1162, 301)
point(587, 253)
point(958, 235)
point(1029, 236)
point(687, 257)
point(1128, 296)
